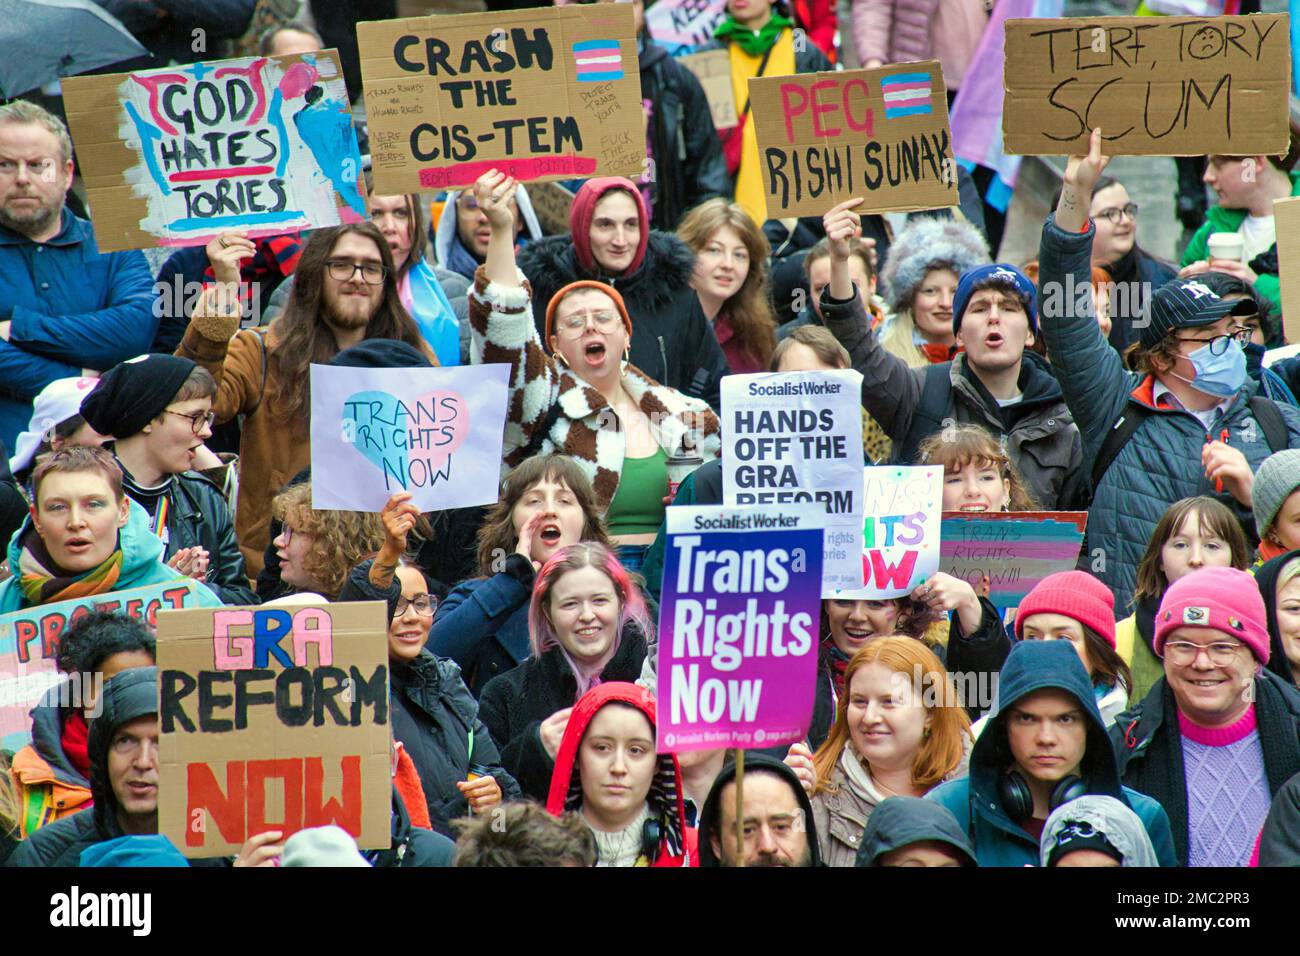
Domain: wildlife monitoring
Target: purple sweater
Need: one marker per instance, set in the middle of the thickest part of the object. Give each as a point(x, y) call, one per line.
point(1227, 790)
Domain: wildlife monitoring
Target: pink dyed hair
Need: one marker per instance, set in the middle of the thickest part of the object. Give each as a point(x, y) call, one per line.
point(574, 557)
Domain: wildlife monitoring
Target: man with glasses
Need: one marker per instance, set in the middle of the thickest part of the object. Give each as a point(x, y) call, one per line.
point(159, 408)
point(1183, 419)
point(1219, 734)
point(65, 307)
point(344, 292)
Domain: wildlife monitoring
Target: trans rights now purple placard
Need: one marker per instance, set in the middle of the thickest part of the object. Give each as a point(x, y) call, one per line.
point(738, 627)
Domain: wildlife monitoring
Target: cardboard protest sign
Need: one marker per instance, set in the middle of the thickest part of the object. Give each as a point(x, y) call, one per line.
point(713, 69)
point(548, 93)
point(738, 627)
point(273, 718)
point(178, 155)
point(900, 530)
point(796, 438)
point(552, 203)
point(1159, 86)
point(683, 26)
point(435, 432)
point(29, 643)
point(1015, 550)
point(1286, 213)
point(881, 135)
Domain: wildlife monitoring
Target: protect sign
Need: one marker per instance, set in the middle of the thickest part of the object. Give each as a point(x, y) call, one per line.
point(881, 135)
point(796, 438)
point(541, 94)
point(30, 638)
point(176, 156)
point(273, 718)
point(738, 627)
point(1158, 86)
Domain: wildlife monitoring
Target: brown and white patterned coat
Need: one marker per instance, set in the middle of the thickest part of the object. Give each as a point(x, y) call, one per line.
point(586, 428)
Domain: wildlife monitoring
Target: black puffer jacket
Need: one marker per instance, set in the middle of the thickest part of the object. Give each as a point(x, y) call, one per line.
point(689, 166)
point(514, 705)
point(671, 339)
point(201, 516)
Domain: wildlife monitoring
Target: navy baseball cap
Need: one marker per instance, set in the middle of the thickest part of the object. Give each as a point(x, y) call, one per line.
point(1007, 275)
point(1187, 304)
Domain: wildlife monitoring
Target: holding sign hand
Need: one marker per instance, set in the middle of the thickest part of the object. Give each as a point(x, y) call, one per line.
point(1081, 175)
point(943, 592)
point(842, 224)
point(493, 193)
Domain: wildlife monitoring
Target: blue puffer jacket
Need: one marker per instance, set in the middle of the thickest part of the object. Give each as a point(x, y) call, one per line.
point(1161, 463)
point(482, 624)
point(1000, 841)
point(72, 307)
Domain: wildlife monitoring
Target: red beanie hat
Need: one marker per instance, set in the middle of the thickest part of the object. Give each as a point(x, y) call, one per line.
point(583, 211)
point(1073, 594)
point(1221, 599)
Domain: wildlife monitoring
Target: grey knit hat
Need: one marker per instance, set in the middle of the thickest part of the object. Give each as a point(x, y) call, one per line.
point(924, 244)
point(1277, 477)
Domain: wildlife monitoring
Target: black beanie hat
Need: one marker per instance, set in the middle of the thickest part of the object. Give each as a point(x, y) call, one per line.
point(381, 353)
point(133, 393)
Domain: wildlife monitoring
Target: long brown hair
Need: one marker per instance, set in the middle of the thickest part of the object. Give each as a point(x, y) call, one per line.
point(956, 447)
point(300, 336)
point(942, 749)
point(749, 310)
point(498, 537)
point(1211, 515)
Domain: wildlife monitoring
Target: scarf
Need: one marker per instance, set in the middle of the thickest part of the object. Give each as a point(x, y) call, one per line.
point(406, 780)
point(44, 582)
point(936, 352)
point(838, 662)
point(753, 43)
point(460, 259)
point(1268, 550)
point(74, 740)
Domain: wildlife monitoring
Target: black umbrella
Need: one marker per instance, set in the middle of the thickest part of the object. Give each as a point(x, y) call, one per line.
point(45, 40)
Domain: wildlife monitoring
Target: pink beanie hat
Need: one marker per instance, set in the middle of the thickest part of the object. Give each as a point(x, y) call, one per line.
point(1073, 594)
point(1221, 599)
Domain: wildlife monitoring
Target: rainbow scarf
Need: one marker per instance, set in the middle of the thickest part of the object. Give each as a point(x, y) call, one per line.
point(44, 582)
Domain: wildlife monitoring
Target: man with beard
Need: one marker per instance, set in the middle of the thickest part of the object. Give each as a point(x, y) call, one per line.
point(344, 292)
point(65, 307)
point(778, 822)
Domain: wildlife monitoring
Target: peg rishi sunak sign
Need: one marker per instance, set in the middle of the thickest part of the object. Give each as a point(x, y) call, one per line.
point(541, 94)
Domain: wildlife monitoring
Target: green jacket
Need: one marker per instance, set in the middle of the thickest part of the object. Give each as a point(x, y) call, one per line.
point(1219, 219)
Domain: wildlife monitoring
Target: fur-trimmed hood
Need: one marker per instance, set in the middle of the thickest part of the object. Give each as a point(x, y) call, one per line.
point(926, 244)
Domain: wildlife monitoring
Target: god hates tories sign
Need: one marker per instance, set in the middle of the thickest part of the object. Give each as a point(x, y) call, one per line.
point(435, 432)
point(273, 718)
point(881, 135)
point(738, 626)
point(175, 156)
point(550, 93)
point(796, 438)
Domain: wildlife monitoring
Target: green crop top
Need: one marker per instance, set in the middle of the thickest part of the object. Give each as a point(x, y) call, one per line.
point(638, 505)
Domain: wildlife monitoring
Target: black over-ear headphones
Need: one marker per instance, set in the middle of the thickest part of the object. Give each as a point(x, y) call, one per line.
point(651, 833)
point(1018, 800)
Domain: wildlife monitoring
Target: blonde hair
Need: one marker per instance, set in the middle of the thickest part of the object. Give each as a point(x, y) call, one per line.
point(943, 747)
point(898, 337)
point(340, 539)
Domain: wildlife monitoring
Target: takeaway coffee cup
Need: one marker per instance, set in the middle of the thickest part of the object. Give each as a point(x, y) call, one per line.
point(1227, 245)
point(679, 466)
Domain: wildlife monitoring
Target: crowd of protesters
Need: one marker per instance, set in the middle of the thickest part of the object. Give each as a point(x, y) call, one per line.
point(1148, 703)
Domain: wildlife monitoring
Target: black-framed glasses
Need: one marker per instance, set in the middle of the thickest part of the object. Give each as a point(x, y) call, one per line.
point(423, 604)
point(1219, 344)
point(572, 326)
point(197, 421)
point(1183, 653)
point(342, 270)
point(1115, 214)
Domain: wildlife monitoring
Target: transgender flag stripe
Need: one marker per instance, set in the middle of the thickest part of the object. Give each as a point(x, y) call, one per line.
point(907, 94)
point(598, 61)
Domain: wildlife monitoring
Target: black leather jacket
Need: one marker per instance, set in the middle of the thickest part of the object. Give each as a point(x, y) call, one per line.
point(200, 516)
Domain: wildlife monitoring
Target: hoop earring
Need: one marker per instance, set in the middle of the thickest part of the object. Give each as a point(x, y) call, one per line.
point(562, 359)
point(627, 354)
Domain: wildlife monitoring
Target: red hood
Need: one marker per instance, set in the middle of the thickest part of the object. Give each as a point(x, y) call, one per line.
point(584, 209)
point(665, 797)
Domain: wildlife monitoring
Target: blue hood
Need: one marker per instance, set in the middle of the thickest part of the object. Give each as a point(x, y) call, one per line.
point(1042, 665)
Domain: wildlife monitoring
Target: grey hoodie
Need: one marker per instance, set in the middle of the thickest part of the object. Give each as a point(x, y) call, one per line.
point(1122, 828)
